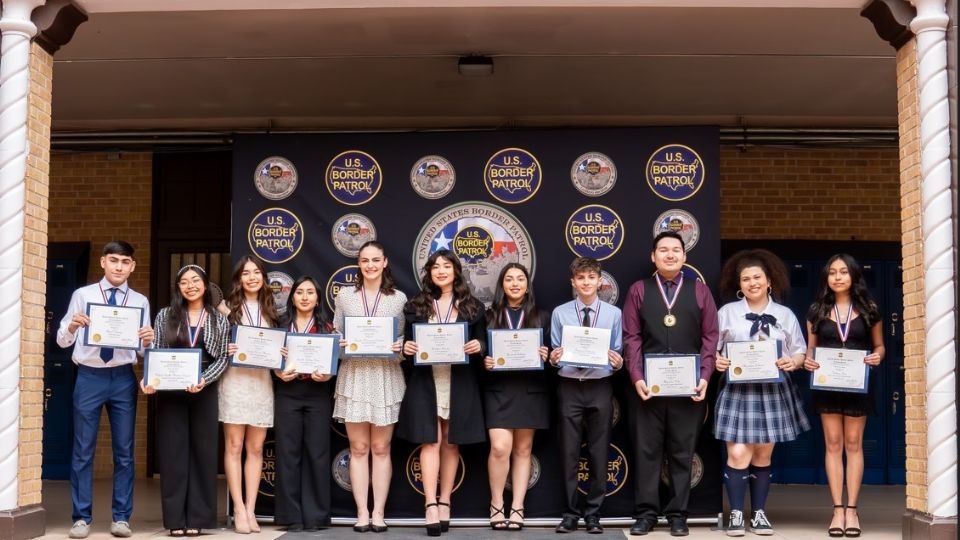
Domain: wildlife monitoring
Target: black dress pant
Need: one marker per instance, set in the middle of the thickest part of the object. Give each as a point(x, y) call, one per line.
point(301, 424)
point(586, 408)
point(663, 427)
point(187, 458)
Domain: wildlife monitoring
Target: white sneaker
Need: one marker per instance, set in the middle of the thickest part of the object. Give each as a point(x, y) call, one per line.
point(121, 529)
point(735, 528)
point(759, 524)
point(80, 529)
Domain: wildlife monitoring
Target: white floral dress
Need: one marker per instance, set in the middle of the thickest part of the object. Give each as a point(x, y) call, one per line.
point(246, 394)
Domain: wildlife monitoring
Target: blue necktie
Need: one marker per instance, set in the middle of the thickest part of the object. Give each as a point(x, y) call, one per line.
point(106, 353)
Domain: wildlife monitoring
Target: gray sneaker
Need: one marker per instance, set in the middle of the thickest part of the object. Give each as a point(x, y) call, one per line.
point(121, 529)
point(80, 529)
point(759, 524)
point(735, 528)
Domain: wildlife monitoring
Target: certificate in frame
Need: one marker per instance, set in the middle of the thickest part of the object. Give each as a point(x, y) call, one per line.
point(438, 333)
point(188, 359)
point(265, 350)
point(667, 369)
point(93, 335)
point(754, 351)
point(293, 338)
point(827, 379)
point(501, 358)
point(352, 349)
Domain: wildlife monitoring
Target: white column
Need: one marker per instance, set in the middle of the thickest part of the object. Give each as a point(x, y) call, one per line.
point(939, 243)
point(16, 30)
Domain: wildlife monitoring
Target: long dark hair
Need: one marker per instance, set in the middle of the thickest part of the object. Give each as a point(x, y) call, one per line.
point(468, 306)
point(387, 284)
point(319, 315)
point(236, 297)
point(771, 265)
point(175, 330)
point(495, 315)
point(859, 294)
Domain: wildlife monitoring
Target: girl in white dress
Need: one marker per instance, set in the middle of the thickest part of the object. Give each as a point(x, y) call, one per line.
point(246, 395)
point(369, 390)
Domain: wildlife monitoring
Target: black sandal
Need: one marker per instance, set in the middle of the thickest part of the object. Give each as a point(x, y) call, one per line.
point(177, 533)
point(515, 525)
point(498, 524)
point(433, 529)
point(192, 532)
point(852, 532)
point(444, 523)
point(836, 532)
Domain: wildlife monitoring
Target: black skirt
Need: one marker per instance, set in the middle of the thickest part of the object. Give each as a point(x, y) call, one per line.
point(517, 401)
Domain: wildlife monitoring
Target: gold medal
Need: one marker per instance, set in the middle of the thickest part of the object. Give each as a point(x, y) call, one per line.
point(669, 320)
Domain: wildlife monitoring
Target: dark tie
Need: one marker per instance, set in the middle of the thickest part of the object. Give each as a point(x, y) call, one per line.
point(106, 353)
point(586, 316)
point(668, 287)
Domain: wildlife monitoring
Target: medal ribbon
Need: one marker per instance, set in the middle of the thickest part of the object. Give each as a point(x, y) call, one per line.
point(663, 292)
point(506, 313)
point(246, 310)
point(843, 329)
point(436, 307)
point(195, 334)
point(596, 316)
point(310, 324)
point(376, 302)
point(126, 295)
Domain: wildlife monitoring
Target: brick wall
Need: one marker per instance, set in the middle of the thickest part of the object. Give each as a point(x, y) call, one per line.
point(817, 194)
point(95, 198)
point(913, 308)
point(34, 277)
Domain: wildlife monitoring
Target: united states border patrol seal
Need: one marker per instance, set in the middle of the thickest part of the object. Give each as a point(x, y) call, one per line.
point(675, 172)
point(340, 470)
point(353, 177)
point(593, 174)
point(432, 177)
point(275, 178)
point(345, 276)
point(350, 231)
point(280, 284)
point(512, 175)
point(680, 222)
point(275, 235)
point(595, 231)
point(617, 470)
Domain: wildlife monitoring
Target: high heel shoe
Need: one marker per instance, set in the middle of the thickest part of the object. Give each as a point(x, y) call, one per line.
point(254, 526)
point(836, 532)
point(852, 532)
point(433, 529)
point(241, 526)
point(444, 523)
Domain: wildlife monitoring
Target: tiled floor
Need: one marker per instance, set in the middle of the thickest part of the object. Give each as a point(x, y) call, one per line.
point(797, 512)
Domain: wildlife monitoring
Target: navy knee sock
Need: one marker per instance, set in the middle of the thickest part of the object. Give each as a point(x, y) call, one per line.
point(759, 486)
point(736, 482)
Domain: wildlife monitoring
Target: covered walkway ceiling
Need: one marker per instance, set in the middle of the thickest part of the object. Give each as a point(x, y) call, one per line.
point(219, 65)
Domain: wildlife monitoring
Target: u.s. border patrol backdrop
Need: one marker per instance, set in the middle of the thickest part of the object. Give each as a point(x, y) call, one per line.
point(304, 204)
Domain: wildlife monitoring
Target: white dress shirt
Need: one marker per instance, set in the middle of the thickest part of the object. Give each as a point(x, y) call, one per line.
point(734, 326)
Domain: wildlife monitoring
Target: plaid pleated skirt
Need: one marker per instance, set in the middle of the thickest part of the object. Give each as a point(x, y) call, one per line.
point(755, 413)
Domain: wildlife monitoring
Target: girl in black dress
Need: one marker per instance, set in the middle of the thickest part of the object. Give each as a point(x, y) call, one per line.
point(515, 403)
point(844, 315)
point(442, 406)
point(187, 421)
point(302, 423)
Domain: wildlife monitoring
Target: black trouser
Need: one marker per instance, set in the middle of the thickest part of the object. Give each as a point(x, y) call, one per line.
point(585, 406)
point(663, 428)
point(302, 434)
point(187, 457)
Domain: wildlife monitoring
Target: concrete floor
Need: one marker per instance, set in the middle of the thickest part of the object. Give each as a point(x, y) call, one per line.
point(797, 512)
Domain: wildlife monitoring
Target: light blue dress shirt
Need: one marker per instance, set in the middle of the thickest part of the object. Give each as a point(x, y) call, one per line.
point(603, 315)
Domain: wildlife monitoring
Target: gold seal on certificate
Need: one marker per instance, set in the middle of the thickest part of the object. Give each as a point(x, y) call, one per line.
point(585, 347)
point(516, 349)
point(312, 353)
point(672, 374)
point(440, 343)
point(258, 347)
point(172, 369)
point(754, 361)
point(116, 327)
point(841, 370)
point(369, 336)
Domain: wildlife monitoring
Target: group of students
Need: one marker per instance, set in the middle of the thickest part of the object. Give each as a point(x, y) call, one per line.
point(443, 406)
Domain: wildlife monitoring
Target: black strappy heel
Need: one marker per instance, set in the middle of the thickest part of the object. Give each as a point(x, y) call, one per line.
point(836, 532)
point(498, 524)
point(852, 532)
point(515, 525)
point(433, 529)
point(444, 523)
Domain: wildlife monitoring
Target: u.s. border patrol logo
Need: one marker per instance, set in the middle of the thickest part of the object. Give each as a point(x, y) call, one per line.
point(595, 231)
point(512, 175)
point(353, 177)
point(675, 172)
point(696, 471)
point(432, 177)
point(415, 472)
point(484, 237)
point(680, 222)
point(609, 290)
point(340, 470)
point(268, 471)
point(691, 272)
point(350, 232)
point(593, 174)
point(535, 469)
point(617, 470)
point(280, 284)
point(347, 276)
point(275, 178)
point(275, 235)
